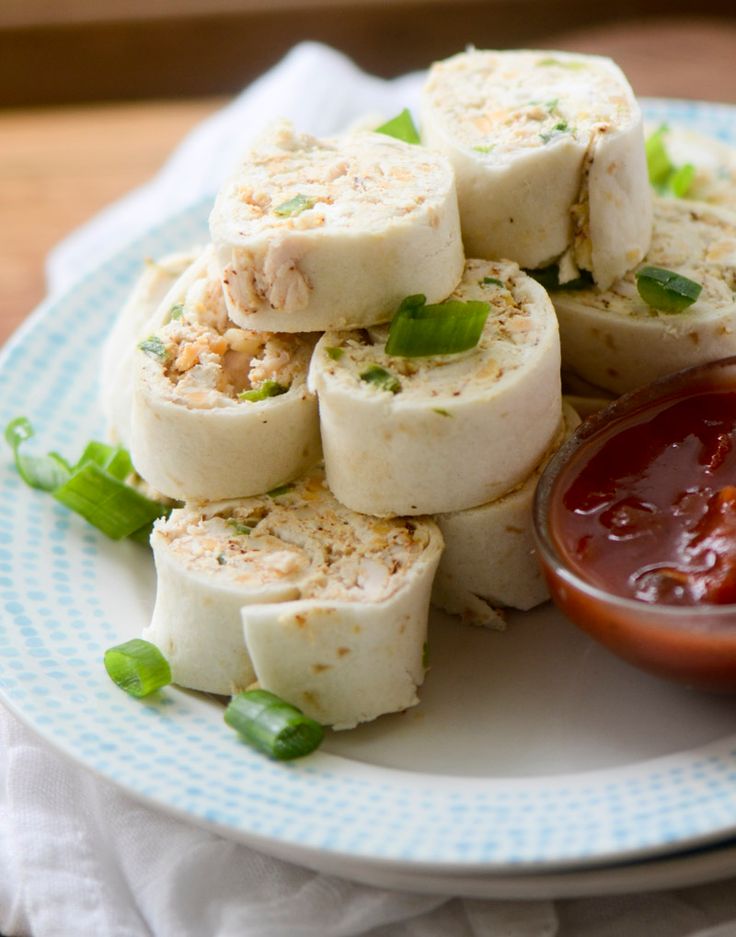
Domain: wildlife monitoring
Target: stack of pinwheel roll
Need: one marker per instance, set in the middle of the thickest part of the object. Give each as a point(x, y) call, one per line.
point(334, 478)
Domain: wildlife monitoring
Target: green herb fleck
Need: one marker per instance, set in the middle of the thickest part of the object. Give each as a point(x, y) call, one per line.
point(571, 65)
point(294, 206)
point(264, 390)
point(484, 149)
point(492, 280)
point(440, 411)
point(154, 347)
point(560, 127)
point(402, 127)
point(242, 529)
point(335, 353)
point(176, 311)
point(381, 378)
point(280, 490)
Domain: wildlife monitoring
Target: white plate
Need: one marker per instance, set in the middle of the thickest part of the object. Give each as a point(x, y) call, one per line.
point(532, 751)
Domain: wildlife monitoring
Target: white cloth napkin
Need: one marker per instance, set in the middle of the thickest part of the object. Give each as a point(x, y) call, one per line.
point(78, 858)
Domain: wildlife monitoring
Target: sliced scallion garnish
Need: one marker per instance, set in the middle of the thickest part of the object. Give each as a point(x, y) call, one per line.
point(106, 502)
point(138, 667)
point(94, 487)
point(335, 352)
point(273, 726)
point(681, 180)
point(559, 128)
point(381, 378)
point(663, 174)
point(402, 127)
point(280, 490)
point(484, 149)
point(176, 311)
point(487, 281)
point(243, 530)
point(154, 347)
point(43, 472)
point(294, 206)
point(418, 330)
point(666, 290)
point(264, 390)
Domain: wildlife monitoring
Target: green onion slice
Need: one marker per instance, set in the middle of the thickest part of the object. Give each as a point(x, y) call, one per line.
point(106, 502)
point(43, 472)
point(402, 127)
point(176, 311)
point(264, 390)
point(682, 179)
point(138, 667)
point(273, 726)
point(558, 63)
point(665, 290)
point(294, 206)
point(663, 174)
point(280, 490)
point(243, 530)
point(154, 347)
point(418, 330)
point(658, 161)
point(487, 281)
point(94, 487)
point(335, 352)
point(381, 378)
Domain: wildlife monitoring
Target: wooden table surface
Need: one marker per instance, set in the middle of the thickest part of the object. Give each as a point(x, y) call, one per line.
point(58, 167)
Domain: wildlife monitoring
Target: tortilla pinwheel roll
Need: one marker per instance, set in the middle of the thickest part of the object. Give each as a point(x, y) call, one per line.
point(489, 560)
point(118, 352)
point(316, 234)
point(548, 152)
point(334, 604)
point(220, 411)
point(617, 341)
point(423, 435)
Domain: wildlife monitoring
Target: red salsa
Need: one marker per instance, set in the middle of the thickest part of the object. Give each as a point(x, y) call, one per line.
point(648, 510)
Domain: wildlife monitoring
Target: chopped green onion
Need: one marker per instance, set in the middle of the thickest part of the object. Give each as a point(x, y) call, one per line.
point(402, 127)
point(682, 179)
point(43, 472)
point(113, 459)
point(335, 352)
point(560, 127)
point(242, 529)
point(106, 502)
point(294, 206)
point(418, 330)
point(154, 347)
point(280, 490)
point(273, 726)
point(176, 311)
point(381, 378)
point(264, 390)
point(549, 278)
point(665, 290)
point(552, 105)
point(573, 66)
point(440, 411)
point(138, 667)
point(659, 165)
point(486, 281)
point(484, 149)
point(663, 174)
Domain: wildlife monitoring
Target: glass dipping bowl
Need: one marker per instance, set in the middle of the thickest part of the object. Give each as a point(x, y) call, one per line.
point(693, 644)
